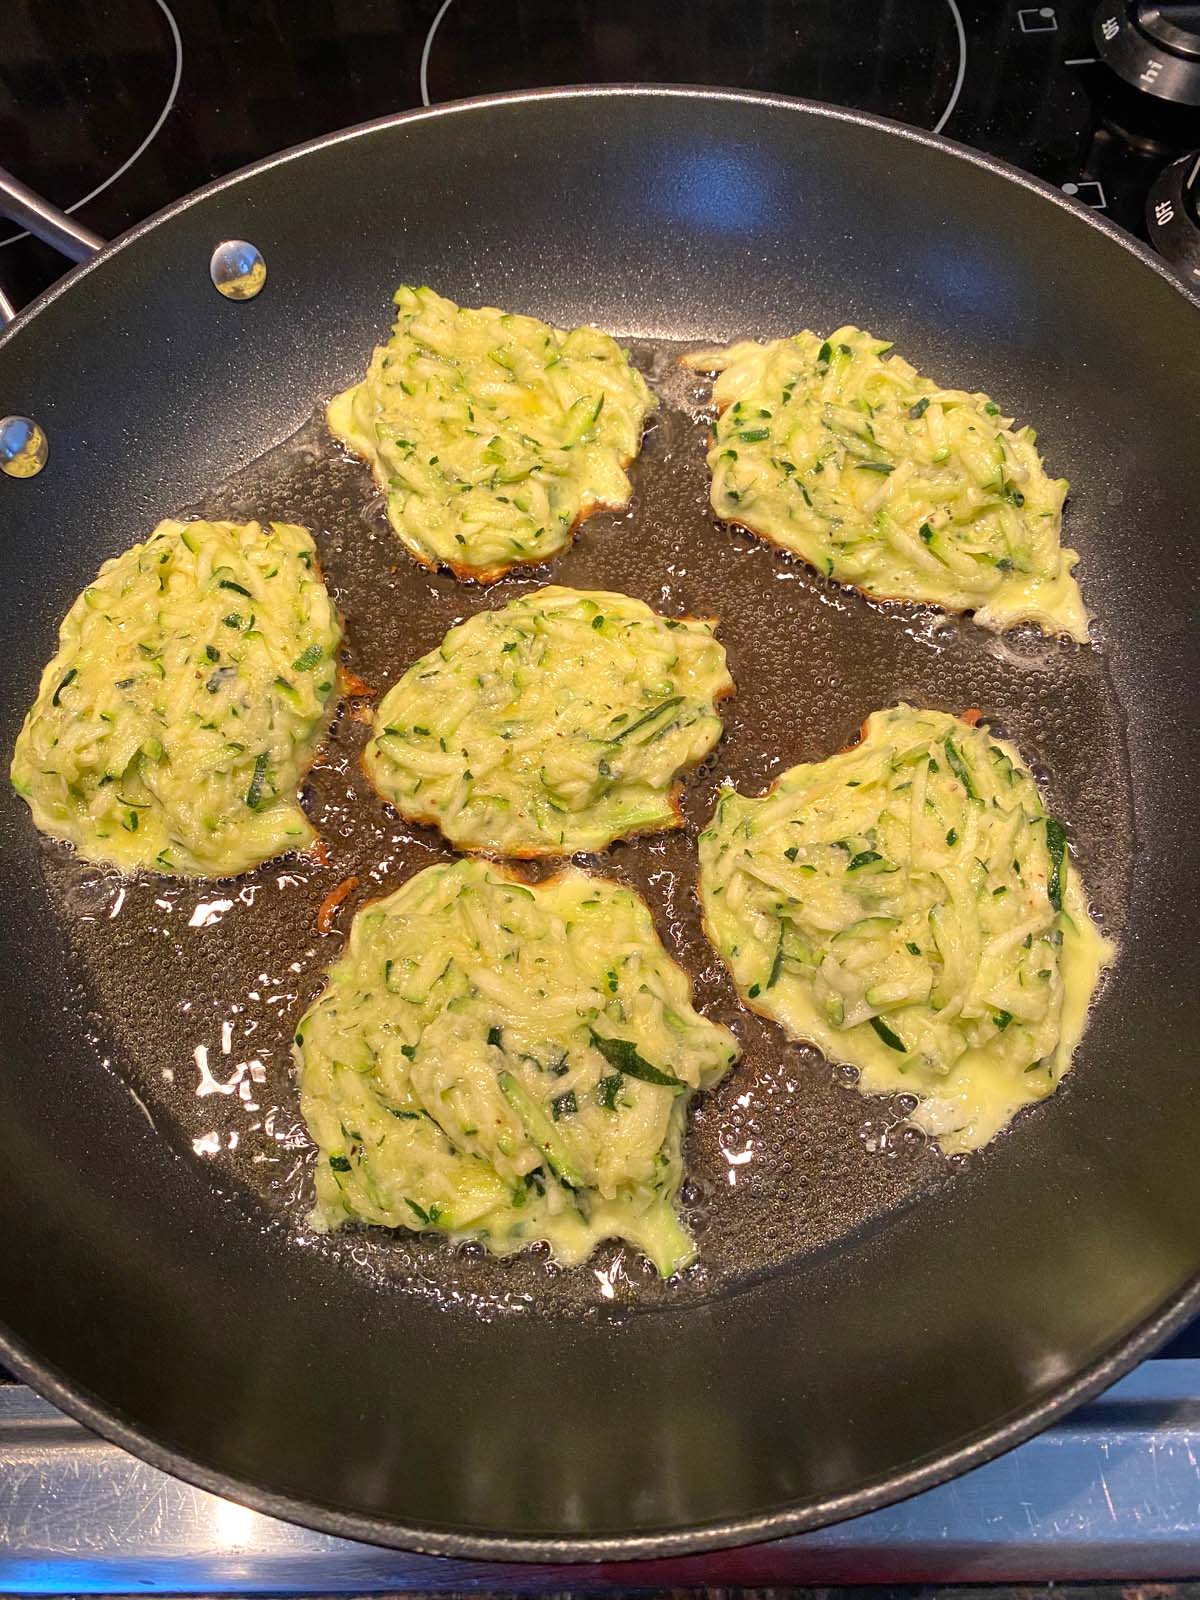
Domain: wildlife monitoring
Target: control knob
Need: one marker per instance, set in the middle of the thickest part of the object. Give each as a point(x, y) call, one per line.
point(1154, 45)
point(1173, 217)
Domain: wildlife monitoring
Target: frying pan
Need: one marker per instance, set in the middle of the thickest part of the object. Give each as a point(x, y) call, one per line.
point(867, 1319)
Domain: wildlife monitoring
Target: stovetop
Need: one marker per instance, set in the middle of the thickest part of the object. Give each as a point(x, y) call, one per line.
point(113, 108)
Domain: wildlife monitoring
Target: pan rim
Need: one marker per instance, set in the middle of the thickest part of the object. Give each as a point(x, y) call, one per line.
point(1085, 215)
point(779, 1522)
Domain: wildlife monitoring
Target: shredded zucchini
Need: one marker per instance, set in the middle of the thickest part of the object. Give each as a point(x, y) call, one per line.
point(879, 478)
point(492, 435)
point(909, 907)
point(509, 1063)
point(553, 725)
point(185, 702)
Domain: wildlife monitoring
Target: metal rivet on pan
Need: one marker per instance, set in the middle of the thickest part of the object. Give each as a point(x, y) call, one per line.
point(23, 447)
point(237, 269)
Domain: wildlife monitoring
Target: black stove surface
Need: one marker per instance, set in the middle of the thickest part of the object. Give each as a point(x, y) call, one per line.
point(113, 108)
point(895, 58)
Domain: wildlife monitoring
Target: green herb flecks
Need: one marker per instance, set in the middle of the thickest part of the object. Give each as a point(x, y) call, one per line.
point(1056, 844)
point(608, 1089)
point(864, 858)
point(254, 794)
point(68, 677)
point(622, 1055)
point(889, 1036)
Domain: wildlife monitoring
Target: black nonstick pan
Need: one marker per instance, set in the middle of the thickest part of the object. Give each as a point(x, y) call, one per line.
point(867, 1318)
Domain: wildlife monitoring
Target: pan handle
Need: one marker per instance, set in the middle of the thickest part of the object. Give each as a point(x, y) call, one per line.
point(21, 205)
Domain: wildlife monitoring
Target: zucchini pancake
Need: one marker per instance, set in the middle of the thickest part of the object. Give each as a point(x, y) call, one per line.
point(185, 703)
point(881, 479)
point(492, 435)
point(908, 907)
point(507, 1062)
point(556, 724)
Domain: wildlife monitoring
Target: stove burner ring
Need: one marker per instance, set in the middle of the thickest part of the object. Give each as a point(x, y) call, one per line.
point(427, 47)
point(959, 31)
point(168, 103)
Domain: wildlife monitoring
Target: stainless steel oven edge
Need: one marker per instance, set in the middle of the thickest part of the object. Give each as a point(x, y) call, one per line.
point(1111, 1492)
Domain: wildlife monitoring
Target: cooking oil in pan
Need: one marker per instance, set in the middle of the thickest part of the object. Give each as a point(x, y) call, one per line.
point(197, 988)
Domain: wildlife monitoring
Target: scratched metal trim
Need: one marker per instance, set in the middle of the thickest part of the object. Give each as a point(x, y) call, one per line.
point(1111, 1492)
